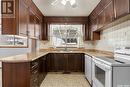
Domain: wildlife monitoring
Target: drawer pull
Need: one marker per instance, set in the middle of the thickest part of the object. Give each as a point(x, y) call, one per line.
point(35, 72)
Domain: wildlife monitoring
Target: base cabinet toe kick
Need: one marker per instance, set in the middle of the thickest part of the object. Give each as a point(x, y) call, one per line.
point(32, 74)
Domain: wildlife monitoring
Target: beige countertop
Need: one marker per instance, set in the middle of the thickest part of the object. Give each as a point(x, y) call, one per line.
point(35, 55)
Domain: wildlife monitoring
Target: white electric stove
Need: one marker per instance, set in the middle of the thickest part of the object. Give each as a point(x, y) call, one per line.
point(112, 72)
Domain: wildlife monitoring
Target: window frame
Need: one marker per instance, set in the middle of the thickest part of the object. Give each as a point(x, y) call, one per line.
point(70, 46)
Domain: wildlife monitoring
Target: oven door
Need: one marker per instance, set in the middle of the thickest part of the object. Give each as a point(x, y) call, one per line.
point(102, 74)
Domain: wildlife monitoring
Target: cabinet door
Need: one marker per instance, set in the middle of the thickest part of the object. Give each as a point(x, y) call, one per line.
point(37, 28)
point(71, 62)
point(79, 62)
point(75, 62)
point(101, 19)
point(109, 13)
point(60, 61)
point(50, 63)
point(31, 25)
point(121, 7)
point(92, 28)
point(23, 18)
point(86, 32)
point(93, 23)
point(45, 31)
point(42, 69)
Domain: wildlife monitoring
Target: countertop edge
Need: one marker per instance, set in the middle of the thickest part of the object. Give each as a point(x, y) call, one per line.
point(14, 59)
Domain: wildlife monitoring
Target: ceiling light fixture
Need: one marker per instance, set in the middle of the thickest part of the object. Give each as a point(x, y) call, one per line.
point(64, 2)
point(72, 2)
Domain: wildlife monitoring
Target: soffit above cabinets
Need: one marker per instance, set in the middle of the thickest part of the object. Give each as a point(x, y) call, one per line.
point(84, 8)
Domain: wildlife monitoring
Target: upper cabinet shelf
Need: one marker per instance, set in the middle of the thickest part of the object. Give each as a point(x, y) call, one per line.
point(106, 14)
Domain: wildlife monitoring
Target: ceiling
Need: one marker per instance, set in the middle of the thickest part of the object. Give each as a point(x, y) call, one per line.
point(84, 8)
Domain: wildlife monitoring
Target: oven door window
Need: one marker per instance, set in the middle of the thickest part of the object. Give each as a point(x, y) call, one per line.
point(100, 75)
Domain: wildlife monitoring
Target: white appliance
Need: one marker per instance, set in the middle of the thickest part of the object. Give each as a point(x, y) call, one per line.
point(101, 74)
point(0, 74)
point(112, 73)
point(88, 68)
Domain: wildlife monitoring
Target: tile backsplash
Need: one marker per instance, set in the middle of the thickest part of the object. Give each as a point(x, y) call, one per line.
point(113, 37)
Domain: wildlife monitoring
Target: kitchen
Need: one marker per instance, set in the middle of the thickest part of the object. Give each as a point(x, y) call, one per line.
point(65, 43)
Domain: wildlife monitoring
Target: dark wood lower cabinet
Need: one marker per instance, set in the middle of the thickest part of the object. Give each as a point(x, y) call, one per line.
point(24, 74)
point(16, 74)
point(76, 62)
point(31, 74)
point(65, 62)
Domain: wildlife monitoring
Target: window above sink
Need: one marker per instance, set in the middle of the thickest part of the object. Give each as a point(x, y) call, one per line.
point(63, 35)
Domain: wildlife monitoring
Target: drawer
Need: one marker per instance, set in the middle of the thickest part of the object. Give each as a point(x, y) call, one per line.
point(34, 65)
point(34, 71)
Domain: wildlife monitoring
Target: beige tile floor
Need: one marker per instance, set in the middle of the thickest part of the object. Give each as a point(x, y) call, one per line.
point(65, 80)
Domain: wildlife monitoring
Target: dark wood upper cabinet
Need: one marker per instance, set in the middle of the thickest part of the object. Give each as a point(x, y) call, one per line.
point(101, 20)
point(93, 24)
point(102, 4)
point(45, 31)
point(102, 15)
point(8, 26)
point(23, 18)
point(38, 27)
point(92, 28)
point(31, 25)
point(27, 21)
point(122, 8)
point(109, 13)
point(106, 15)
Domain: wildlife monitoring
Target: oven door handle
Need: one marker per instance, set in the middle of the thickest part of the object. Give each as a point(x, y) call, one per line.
point(102, 65)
